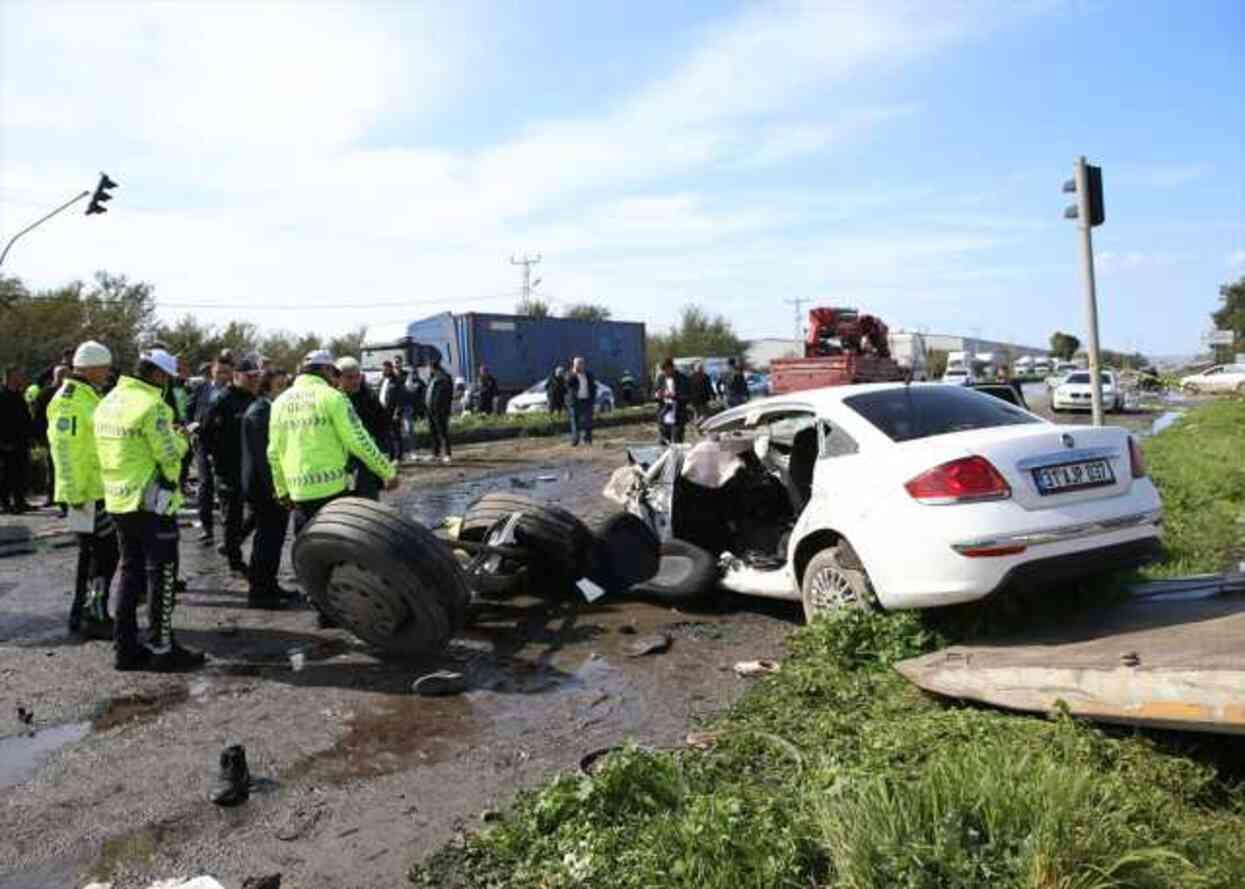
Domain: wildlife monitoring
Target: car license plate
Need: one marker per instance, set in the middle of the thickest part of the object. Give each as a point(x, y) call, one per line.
point(1073, 476)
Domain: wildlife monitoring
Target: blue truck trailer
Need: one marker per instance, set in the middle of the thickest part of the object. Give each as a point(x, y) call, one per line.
point(517, 349)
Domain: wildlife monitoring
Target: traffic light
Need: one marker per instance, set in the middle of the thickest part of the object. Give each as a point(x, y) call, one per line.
point(101, 195)
point(1093, 189)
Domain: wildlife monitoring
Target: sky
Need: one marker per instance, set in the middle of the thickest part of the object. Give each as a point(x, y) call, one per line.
point(318, 166)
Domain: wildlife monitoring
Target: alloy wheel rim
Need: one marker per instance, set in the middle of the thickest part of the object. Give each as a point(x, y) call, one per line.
point(831, 590)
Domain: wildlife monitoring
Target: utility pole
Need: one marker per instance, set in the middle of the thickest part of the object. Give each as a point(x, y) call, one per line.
point(96, 206)
point(798, 301)
point(527, 262)
point(1088, 212)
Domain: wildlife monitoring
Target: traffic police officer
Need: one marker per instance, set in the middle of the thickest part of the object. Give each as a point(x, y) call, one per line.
point(140, 455)
point(313, 432)
point(71, 443)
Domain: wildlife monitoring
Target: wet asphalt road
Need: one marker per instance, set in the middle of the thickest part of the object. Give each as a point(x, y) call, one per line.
point(357, 777)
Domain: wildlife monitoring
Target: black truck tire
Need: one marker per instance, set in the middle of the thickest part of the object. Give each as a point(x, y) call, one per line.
point(686, 573)
point(625, 551)
point(553, 535)
point(387, 579)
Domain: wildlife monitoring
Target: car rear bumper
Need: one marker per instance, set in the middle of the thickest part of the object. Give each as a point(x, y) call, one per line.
point(1076, 566)
point(1063, 533)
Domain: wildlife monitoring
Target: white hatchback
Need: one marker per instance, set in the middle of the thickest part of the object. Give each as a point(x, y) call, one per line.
point(900, 497)
point(1074, 393)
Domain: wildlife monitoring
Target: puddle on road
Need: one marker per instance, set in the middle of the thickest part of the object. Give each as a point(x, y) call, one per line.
point(1167, 418)
point(429, 504)
point(139, 706)
point(21, 756)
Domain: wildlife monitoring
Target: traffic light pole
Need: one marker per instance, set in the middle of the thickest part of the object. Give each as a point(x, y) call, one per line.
point(39, 222)
point(1084, 223)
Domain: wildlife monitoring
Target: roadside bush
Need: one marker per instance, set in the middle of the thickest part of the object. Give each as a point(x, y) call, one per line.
point(479, 428)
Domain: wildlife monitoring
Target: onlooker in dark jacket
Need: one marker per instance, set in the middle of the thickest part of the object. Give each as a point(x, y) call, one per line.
point(488, 391)
point(440, 402)
point(736, 385)
point(271, 518)
point(221, 435)
point(555, 391)
point(700, 393)
point(673, 394)
point(15, 436)
point(393, 397)
point(376, 420)
point(201, 403)
point(581, 392)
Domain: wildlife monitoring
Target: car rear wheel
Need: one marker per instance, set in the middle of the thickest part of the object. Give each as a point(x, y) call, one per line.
point(1191, 388)
point(1240, 388)
point(835, 579)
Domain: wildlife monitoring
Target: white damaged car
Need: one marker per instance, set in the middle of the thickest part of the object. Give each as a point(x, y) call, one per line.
point(890, 495)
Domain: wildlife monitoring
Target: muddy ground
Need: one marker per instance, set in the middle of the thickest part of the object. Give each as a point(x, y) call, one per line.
point(356, 777)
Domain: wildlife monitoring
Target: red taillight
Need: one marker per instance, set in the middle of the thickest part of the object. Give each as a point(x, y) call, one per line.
point(990, 551)
point(960, 481)
point(1135, 460)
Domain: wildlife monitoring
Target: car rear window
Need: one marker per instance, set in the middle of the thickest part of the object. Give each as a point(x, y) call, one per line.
point(915, 412)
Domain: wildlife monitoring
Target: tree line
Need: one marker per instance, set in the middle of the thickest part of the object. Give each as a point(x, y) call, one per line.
point(36, 327)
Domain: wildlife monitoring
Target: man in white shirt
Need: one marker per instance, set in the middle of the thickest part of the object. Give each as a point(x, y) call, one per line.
point(581, 392)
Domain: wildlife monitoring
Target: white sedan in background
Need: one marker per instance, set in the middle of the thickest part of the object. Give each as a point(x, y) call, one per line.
point(1075, 392)
point(897, 496)
point(534, 401)
point(1221, 378)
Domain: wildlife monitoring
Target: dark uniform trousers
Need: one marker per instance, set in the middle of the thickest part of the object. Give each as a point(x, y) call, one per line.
point(148, 557)
point(270, 519)
point(239, 522)
point(97, 563)
point(207, 488)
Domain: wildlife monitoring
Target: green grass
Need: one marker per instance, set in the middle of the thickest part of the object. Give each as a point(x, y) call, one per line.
point(476, 428)
point(836, 772)
point(1199, 467)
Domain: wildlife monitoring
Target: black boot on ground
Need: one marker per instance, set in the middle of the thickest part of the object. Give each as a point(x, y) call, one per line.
point(233, 784)
point(176, 659)
point(135, 659)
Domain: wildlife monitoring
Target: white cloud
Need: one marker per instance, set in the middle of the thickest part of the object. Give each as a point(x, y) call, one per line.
point(244, 137)
point(1160, 175)
point(1236, 259)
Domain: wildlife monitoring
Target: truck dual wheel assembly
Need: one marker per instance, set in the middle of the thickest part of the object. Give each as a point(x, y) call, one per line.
point(399, 587)
point(385, 578)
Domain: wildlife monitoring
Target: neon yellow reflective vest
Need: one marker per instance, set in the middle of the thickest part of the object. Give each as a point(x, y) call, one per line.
point(32, 395)
point(71, 440)
point(137, 445)
point(312, 433)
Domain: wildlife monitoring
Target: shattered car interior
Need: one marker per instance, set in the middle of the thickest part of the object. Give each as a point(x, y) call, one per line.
point(737, 494)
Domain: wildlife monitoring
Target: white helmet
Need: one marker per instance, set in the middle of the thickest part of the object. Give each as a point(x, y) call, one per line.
point(92, 354)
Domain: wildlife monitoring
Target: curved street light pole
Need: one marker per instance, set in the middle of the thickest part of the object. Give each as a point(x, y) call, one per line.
point(38, 222)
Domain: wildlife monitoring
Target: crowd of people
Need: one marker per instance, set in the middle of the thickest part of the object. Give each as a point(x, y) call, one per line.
point(266, 450)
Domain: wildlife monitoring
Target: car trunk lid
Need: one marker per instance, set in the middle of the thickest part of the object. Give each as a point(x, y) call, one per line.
point(1066, 460)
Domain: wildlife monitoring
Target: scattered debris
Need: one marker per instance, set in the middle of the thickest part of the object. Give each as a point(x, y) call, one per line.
point(233, 783)
point(489, 815)
point(24, 715)
point(657, 644)
point(756, 668)
point(204, 882)
point(547, 478)
point(299, 822)
point(628, 629)
point(298, 658)
point(703, 740)
point(1183, 667)
point(516, 482)
point(442, 682)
